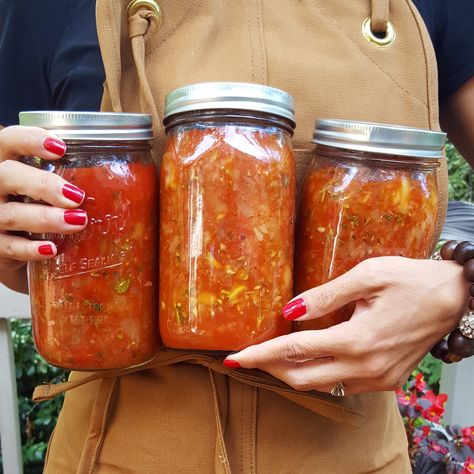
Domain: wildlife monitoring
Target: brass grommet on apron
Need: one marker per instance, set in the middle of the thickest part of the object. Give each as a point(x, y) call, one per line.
point(135, 5)
point(386, 39)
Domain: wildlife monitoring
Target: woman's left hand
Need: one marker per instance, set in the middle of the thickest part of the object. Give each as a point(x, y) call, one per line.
point(403, 307)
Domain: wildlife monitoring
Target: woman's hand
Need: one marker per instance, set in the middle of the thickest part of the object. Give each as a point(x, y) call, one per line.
point(403, 307)
point(20, 179)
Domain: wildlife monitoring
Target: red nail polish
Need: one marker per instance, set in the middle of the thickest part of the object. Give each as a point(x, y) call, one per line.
point(46, 249)
point(55, 146)
point(75, 217)
point(73, 193)
point(294, 309)
point(232, 364)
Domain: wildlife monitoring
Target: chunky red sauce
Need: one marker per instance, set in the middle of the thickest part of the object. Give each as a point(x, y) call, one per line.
point(350, 213)
point(93, 306)
point(226, 236)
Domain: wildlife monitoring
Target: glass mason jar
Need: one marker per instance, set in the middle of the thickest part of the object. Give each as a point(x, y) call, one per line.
point(227, 204)
point(94, 304)
point(370, 191)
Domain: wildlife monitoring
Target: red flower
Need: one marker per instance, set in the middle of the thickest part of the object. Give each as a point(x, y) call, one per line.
point(436, 410)
point(405, 399)
point(425, 431)
point(402, 397)
point(420, 384)
point(468, 467)
point(468, 432)
point(438, 448)
point(468, 436)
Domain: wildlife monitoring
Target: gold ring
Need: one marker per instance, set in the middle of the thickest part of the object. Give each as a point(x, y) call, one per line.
point(338, 390)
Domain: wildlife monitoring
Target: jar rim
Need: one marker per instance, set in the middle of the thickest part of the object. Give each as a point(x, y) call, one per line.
point(230, 95)
point(99, 126)
point(380, 138)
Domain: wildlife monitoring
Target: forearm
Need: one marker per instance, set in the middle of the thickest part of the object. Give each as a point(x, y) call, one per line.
point(457, 119)
point(15, 280)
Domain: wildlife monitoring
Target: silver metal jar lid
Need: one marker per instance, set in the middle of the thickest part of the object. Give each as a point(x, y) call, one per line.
point(230, 95)
point(99, 126)
point(380, 138)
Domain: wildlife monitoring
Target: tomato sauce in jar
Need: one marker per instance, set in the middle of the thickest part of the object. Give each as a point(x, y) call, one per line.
point(94, 304)
point(371, 191)
point(227, 208)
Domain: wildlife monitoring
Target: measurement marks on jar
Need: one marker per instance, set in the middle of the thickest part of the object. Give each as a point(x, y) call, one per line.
point(87, 266)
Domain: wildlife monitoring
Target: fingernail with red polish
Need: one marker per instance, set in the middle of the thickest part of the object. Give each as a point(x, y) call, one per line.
point(294, 309)
point(55, 146)
point(75, 217)
point(232, 364)
point(73, 193)
point(46, 249)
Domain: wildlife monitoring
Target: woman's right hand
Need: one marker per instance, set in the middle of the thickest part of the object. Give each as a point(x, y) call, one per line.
point(61, 216)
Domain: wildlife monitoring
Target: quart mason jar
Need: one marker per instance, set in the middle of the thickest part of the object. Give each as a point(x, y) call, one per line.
point(94, 304)
point(226, 216)
point(370, 191)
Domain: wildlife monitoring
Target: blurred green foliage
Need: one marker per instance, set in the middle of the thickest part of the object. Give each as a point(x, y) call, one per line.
point(36, 420)
point(461, 176)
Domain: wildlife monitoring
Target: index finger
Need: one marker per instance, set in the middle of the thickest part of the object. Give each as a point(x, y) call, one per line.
point(298, 346)
point(18, 141)
point(18, 178)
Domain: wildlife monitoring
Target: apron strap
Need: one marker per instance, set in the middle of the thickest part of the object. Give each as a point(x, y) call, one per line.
point(221, 459)
point(379, 15)
point(98, 425)
point(144, 22)
point(340, 410)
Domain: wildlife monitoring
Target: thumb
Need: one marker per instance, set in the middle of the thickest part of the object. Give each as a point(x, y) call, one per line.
point(354, 285)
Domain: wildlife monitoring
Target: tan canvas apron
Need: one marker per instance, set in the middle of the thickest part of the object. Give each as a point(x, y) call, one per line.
point(185, 413)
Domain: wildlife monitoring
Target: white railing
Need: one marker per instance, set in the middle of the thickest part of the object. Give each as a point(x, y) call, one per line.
point(457, 382)
point(12, 306)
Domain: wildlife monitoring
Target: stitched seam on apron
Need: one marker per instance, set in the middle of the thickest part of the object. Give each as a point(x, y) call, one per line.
point(399, 86)
point(253, 425)
point(431, 119)
point(112, 12)
point(223, 457)
point(252, 63)
point(242, 426)
point(259, 19)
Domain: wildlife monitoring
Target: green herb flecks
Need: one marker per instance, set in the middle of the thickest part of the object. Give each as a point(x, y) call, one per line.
point(93, 305)
point(123, 285)
point(178, 312)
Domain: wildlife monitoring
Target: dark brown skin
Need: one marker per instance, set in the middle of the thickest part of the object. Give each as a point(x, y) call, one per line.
point(457, 119)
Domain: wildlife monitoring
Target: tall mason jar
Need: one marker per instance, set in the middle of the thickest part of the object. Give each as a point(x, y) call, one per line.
point(94, 304)
point(227, 207)
point(370, 191)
